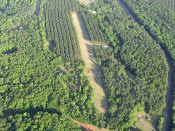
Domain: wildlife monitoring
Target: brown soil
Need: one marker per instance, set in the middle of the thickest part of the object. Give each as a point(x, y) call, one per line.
point(88, 127)
point(93, 71)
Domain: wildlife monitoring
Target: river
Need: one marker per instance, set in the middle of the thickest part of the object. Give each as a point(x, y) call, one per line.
point(171, 73)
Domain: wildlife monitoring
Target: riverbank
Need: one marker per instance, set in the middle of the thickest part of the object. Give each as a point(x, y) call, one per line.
point(171, 74)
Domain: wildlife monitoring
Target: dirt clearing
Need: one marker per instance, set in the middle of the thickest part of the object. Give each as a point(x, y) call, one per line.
point(86, 2)
point(88, 127)
point(93, 71)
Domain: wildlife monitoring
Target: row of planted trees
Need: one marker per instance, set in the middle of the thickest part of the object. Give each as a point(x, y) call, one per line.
point(60, 30)
point(37, 91)
point(138, 73)
point(94, 31)
point(167, 3)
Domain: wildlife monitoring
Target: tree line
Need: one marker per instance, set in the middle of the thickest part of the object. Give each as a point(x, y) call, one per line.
point(138, 72)
point(60, 30)
point(160, 24)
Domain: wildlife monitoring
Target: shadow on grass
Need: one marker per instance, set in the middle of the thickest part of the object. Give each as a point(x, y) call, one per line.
point(97, 71)
point(10, 51)
point(83, 26)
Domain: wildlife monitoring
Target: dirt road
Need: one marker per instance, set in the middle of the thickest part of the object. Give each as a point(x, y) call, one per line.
point(88, 127)
point(93, 71)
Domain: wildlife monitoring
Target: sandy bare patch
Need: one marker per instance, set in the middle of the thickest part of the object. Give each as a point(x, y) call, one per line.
point(47, 43)
point(93, 71)
point(86, 2)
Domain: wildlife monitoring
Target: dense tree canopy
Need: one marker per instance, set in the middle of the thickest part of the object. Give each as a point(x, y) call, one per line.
point(42, 76)
point(34, 79)
point(160, 24)
point(135, 54)
point(17, 7)
point(60, 30)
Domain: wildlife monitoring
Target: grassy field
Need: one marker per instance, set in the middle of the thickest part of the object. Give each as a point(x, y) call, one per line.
point(93, 71)
point(144, 122)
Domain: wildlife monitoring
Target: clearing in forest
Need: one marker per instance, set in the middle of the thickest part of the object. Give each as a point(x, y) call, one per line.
point(86, 2)
point(144, 122)
point(93, 71)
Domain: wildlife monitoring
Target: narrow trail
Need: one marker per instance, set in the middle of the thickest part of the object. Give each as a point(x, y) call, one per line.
point(91, 64)
point(171, 73)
